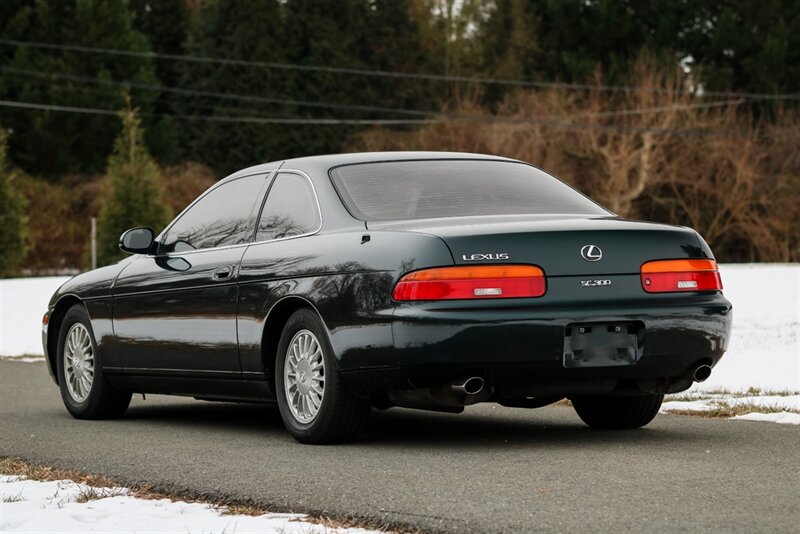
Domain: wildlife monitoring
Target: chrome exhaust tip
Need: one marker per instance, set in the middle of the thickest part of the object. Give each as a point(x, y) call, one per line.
point(702, 373)
point(469, 386)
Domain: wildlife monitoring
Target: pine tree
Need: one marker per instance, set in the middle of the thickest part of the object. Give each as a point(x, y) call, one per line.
point(51, 144)
point(12, 216)
point(249, 30)
point(509, 42)
point(165, 23)
point(136, 199)
point(326, 33)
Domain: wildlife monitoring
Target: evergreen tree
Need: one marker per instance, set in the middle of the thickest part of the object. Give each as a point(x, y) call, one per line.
point(394, 40)
point(136, 199)
point(509, 38)
point(54, 143)
point(738, 45)
point(165, 23)
point(249, 30)
point(359, 34)
point(12, 215)
point(326, 33)
point(744, 45)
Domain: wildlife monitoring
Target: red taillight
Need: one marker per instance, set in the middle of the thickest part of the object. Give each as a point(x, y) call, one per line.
point(478, 282)
point(667, 276)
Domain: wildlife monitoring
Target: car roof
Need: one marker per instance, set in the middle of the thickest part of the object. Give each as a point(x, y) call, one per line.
point(335, 160)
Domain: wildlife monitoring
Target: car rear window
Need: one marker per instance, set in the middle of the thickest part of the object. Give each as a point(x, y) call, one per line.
point(422, 189)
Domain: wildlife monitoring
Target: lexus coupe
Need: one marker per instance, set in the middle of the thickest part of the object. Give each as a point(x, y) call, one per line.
point(337, 284)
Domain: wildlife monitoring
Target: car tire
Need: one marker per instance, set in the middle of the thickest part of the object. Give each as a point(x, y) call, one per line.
point(305, 365)
point(603, 411)
point(92, 397)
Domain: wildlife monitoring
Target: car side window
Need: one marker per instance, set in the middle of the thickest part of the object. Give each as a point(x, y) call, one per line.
point(222, 217)
point(290, 210)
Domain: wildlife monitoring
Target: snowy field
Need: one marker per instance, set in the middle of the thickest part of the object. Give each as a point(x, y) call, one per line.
point(66, 506)
point(765, 348)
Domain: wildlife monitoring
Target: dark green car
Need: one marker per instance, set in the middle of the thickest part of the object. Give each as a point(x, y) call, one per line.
point(336, 284)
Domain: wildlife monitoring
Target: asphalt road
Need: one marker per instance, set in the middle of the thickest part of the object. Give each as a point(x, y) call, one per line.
point(490, 469)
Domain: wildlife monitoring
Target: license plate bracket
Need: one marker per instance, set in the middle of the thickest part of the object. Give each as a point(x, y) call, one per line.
point(603, 344)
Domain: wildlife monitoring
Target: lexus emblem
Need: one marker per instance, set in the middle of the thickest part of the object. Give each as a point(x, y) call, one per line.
point(591, 253)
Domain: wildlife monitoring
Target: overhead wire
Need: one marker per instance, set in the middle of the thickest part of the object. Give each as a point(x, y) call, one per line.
point(213, 118)
point(348, 107)
point(384, 122)
point(382, 73)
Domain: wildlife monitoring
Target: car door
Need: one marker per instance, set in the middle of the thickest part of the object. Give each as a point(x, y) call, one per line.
point(280, 256)
point(175, 312)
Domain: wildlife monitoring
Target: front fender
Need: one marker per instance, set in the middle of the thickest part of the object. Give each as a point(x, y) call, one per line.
point(94, 288)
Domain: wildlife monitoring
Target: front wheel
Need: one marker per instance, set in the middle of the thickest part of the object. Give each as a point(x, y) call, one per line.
point(315, 404)
point(602, 411)
point(85, 390)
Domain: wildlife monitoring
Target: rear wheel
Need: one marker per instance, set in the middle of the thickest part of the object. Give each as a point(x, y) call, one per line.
point(86, 392)
point(314, 401)
point(602, 411)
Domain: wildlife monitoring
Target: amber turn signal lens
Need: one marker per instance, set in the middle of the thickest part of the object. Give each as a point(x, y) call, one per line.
point(668, 276)
point(473, 282)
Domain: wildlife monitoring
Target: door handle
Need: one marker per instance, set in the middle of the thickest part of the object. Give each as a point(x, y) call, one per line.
point(223, 273)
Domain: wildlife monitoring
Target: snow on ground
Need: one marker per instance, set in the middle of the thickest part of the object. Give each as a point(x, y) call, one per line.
point(782, 408)
point(779, 417)
point(35, 506)
point(764, 351)
point(709, 402)
point(23, 302)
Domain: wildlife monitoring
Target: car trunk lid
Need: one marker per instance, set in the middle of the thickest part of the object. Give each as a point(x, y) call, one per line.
point(560, 245)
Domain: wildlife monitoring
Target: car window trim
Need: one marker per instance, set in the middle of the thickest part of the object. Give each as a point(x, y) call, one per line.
point(268, 175)
point(264, 203)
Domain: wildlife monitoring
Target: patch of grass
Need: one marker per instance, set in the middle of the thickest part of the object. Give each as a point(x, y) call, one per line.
point(89, 493)
point(16, 467)
point(725, 410)
point(241, 509)
point(13, 498)
point(750, 392)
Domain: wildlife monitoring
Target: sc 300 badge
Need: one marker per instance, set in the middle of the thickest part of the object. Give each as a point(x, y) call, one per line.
point(595, 283)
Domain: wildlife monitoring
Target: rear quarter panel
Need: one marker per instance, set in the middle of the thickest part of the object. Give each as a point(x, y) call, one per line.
point(345, 277)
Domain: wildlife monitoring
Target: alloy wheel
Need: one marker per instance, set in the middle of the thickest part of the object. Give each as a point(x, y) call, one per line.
point(304, 376)
point(78, 362)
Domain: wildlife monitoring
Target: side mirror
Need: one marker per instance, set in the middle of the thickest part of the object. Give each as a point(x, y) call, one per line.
point(137, 241)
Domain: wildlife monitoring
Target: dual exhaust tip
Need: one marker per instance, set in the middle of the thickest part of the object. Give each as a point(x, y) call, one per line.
point(473, 385)
point(702, 373)
point(468, 385)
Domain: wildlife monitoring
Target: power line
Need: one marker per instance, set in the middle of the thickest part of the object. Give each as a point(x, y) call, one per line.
point(385, 73)
point(349, 107)
point(213, 118)
point(392, 122)
point(212, 94)
point(111, 92)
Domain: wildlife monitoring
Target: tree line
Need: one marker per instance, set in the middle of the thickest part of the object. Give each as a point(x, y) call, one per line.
point(203, 75)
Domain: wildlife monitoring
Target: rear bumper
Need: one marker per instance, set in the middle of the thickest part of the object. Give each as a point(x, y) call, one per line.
point(518, 346)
